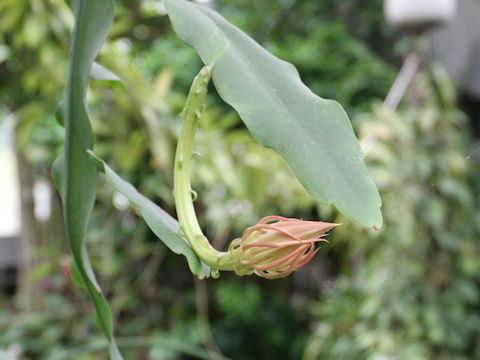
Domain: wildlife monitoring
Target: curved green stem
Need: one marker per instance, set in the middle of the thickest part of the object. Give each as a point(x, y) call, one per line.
point(182, 188)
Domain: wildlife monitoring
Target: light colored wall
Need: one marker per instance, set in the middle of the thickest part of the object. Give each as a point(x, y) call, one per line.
point(458, 45)
point(9, 196)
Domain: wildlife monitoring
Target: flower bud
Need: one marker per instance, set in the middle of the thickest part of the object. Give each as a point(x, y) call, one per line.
point(277, 246)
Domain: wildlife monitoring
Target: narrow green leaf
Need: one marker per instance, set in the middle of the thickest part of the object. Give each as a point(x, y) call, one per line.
point(100, 72)
point(312, 134)
point(76, 276)
point(73, 172)
point(162, 224)
point(58, 170)
point(60, 113)
point(97, 72)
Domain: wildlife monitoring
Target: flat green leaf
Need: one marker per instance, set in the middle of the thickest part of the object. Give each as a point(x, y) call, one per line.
point(313, 135)
point(73, 172)
point(60, 113)
point(162, 224)
point(76, 276)
point(100, 72)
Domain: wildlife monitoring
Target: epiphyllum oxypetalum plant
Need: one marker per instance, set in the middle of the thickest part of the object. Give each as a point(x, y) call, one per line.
point(313, 135)
point(273, 248)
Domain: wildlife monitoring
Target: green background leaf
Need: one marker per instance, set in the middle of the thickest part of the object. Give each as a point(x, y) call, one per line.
point(313, 135)
point(162, 224)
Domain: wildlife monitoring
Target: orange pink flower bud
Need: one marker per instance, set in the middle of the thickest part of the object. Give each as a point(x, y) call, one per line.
point(277, 246)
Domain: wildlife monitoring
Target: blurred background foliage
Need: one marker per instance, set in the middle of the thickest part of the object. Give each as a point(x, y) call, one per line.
point(407, 291)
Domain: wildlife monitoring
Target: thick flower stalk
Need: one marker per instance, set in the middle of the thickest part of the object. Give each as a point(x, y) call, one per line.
point(273, 248)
